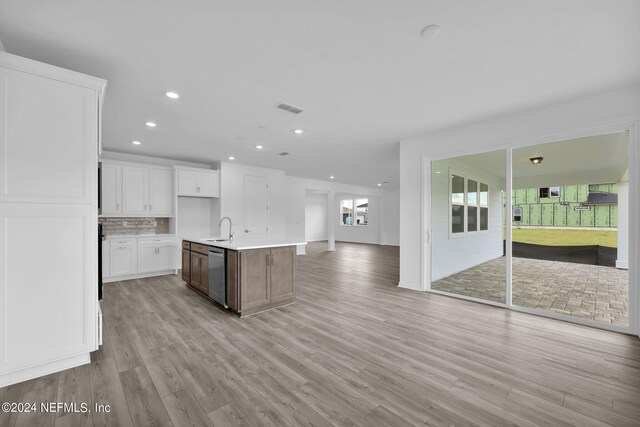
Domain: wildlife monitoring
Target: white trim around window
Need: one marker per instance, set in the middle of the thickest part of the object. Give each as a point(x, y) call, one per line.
point(472, 199)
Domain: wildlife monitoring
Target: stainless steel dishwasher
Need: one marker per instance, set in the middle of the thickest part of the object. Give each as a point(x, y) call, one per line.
point(217, 276)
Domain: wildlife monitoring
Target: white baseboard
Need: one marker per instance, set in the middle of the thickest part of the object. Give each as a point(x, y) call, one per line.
point(46, 369)
point(622, 264)
point(413, 288)
point(139, 276)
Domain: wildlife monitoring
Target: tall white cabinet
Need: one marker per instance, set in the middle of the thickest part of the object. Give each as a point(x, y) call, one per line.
point(49, 142)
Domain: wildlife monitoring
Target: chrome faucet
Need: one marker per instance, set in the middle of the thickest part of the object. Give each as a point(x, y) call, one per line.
point(230, 231)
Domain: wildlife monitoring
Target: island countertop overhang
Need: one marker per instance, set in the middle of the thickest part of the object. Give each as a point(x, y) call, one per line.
point(244, 244)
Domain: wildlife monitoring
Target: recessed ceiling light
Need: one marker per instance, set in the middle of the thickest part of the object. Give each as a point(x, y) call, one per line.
point(172, 95)
point(331, 177)
point(298, 131)
point(379, 185)
point(136, 142)
point(150, 124)
point(430, 31)
point(259, 147)
point(231, 158)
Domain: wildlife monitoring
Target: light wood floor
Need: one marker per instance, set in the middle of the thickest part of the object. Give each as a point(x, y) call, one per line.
point(353, 350)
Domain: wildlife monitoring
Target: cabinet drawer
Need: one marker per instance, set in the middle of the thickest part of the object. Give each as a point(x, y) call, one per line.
point(122, 242)
point(186, 245)
point(203, 249)
point(156, 242)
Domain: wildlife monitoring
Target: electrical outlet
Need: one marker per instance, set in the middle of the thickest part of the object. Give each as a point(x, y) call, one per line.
point(124, 223)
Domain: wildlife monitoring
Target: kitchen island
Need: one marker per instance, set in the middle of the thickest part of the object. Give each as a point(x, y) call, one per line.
point(252, 275)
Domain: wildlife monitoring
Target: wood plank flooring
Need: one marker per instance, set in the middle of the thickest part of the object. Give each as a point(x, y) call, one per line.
point(354, 350)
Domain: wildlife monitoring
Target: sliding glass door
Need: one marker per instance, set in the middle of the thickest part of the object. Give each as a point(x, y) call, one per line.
point(467, 226)
point(559, 246)
point(570, 246)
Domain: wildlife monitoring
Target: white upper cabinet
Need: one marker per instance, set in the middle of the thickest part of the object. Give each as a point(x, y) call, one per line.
point(160, 194)
point(45, 126)
point(135, 191)
point(49, 138)
point(111, 189)
point(198, 182)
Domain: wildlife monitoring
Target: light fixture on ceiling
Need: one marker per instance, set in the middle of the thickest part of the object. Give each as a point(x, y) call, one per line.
point(136, 142)
point(298, 131)
point(231, 158)
point(259, 147)
point(430, 31)
point(379, 185)
point(331, 177)
point(151, 124)
point(536, 160)
point(172, 95)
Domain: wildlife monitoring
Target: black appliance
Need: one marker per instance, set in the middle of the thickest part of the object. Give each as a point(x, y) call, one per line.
point(101, 238)
point(99, 188)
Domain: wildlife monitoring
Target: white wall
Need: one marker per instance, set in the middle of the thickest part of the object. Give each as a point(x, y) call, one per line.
point(360, 234)
point(296, 205)
point(390, 217)
point(459, 252)
point(195, 218)
point(2, 47)
point(316, 217)
point(232, 197)
point(556, 122)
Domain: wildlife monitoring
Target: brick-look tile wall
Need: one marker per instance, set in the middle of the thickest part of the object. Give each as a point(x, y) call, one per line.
point(135, 226)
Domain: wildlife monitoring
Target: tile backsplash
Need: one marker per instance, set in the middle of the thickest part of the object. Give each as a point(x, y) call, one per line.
point(134, 226)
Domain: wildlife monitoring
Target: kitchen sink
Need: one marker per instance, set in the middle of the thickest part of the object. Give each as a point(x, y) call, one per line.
point(216, 240)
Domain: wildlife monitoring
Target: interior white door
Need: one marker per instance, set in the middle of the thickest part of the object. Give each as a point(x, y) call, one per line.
point(160, 192)
point(135, 191)
point(111, 190)
point(256, 206)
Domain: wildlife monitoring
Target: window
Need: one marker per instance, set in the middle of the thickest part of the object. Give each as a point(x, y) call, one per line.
point(549, 192)
point(469, 205)
point(354, 212)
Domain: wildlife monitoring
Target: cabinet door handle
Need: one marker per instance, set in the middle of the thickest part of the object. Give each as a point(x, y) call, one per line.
point(150, 207)
point(271, 259)
point(268, 258)
point(145, 207)
point(117, 206)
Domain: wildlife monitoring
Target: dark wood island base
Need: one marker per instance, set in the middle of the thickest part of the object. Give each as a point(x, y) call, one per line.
point(256, 279)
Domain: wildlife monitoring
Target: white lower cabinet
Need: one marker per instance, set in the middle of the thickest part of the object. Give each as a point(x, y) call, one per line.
point(123, 259)
point(140, 256)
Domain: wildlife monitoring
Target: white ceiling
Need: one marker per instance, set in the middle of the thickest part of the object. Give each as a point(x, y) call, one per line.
point(358, 68)
point(591, 160)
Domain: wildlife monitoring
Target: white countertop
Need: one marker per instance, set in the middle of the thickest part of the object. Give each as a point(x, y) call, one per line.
point(246, 243)
point(135, 236)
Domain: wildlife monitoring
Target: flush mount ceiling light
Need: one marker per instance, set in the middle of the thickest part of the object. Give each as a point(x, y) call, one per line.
point(536, 160)
point(150, 124)
point(172, 95)
point(430, 31)
point(259, 147)
point(136, 142)
point(231, 158)
point(298, 131)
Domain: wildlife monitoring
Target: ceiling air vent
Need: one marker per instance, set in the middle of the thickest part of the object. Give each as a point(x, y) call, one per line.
point(284, 153)
point(289, 108)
